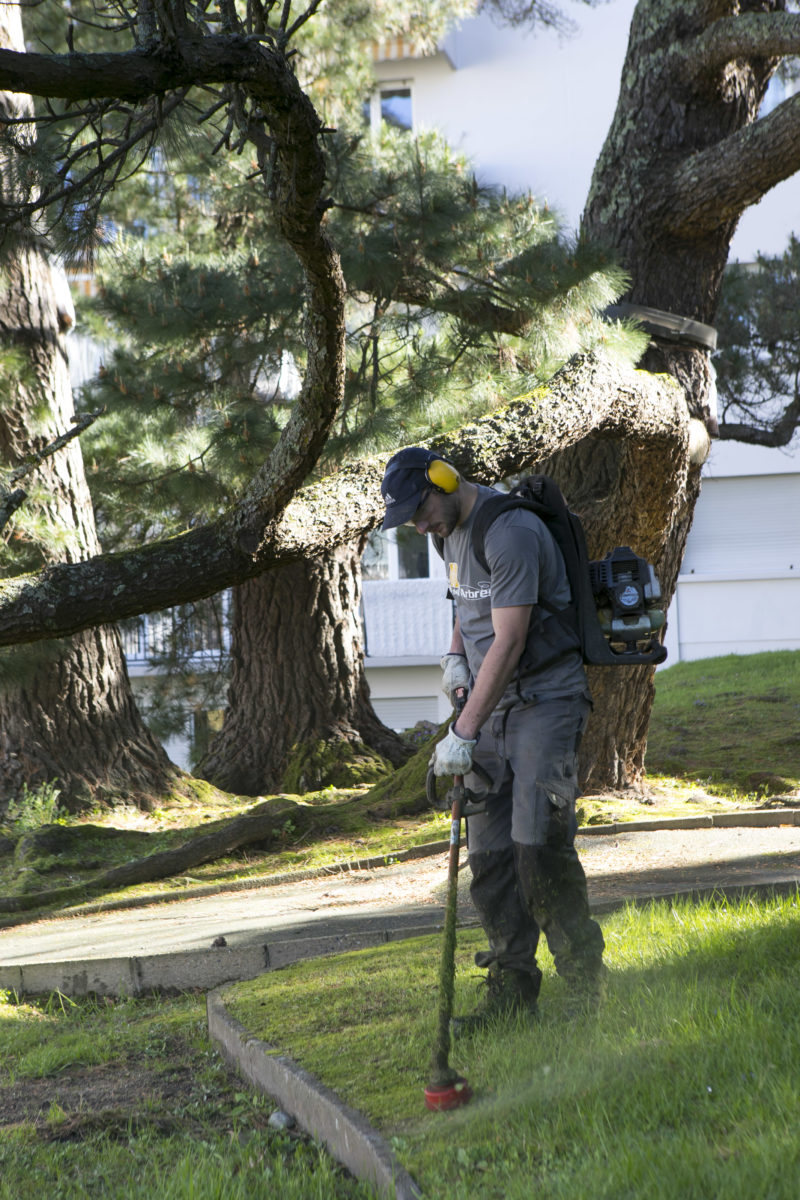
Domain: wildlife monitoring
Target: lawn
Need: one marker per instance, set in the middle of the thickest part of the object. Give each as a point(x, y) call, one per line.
point(732, 724)
point(685, 1085)
point(128, 1098)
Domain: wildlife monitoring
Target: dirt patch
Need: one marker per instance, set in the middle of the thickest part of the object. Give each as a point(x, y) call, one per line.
point(99, 1093)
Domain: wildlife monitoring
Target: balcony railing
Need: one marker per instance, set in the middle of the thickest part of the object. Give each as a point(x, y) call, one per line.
point(406, 619)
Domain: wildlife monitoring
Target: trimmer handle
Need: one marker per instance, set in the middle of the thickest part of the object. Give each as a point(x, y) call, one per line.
point(459, 700)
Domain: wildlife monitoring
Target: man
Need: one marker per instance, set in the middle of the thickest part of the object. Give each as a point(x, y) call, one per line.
point(522, 723)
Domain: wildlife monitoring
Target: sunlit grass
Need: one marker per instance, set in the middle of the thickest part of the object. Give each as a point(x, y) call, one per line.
point(731, 723)
point(685, 1084)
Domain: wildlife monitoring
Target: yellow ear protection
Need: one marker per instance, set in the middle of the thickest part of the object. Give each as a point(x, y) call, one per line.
point(442, 476)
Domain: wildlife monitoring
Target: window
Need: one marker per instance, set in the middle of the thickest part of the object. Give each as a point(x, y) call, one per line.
point(391, 104)
point(375, 559)
point(396, 554)
point(396, 107)
point(412, 553)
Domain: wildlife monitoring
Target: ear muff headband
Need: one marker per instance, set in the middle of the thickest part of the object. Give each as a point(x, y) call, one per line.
point(442, 475)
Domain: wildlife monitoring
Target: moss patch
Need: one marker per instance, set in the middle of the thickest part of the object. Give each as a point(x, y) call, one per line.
point(403, 792)
point(332, 763)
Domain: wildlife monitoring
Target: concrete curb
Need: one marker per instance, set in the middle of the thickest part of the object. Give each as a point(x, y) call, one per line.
point(757, 818)
point(211, 968)
point(191, 969)
point(347, 1134)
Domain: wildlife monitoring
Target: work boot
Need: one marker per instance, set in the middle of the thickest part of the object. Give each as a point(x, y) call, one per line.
point(585, 991)
point(508, 993)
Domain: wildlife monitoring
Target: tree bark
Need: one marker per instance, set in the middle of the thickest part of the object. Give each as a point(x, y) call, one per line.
point(299, 716)
point(66, 710)
point(674, 131)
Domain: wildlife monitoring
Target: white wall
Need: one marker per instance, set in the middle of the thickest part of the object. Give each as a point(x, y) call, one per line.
point(533, 111)
point(403, 695)
point(739, 587)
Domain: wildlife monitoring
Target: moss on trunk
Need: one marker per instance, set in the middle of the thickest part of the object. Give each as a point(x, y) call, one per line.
point(403, 792)
point(332, 763)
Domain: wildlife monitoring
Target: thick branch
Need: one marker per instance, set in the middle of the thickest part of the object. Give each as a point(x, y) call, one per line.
point(780, 433)
point(588, 396)
point(716, 185)
point(747, 36)
point(136, 75)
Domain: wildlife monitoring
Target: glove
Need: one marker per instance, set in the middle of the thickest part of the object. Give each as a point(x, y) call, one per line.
point(455, 675)
point(453, 755)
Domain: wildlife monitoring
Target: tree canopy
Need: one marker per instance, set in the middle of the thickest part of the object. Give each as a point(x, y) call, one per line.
point(260, 103)
point(686, 154)
point(758, 366)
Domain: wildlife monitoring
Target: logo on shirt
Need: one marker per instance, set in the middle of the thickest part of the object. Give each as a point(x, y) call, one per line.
point(480, 591)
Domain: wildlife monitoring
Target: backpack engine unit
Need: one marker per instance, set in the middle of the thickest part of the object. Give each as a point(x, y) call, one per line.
point(616, 601)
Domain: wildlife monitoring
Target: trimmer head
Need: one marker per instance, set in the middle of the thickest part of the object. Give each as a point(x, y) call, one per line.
point(439, 1097)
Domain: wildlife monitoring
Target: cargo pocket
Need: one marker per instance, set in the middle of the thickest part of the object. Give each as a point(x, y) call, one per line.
point(556, 804)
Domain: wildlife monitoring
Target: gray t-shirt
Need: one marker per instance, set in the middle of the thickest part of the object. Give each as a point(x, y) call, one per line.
point(525, 566)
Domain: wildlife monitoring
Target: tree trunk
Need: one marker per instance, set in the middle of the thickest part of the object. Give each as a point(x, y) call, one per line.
point(637, 206)
point(299, 715)
point(626, 493)
point(66, 709)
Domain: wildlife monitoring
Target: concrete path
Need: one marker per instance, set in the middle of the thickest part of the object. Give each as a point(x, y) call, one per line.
point(206, 940)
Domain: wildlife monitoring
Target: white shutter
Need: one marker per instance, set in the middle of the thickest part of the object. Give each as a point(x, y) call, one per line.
point(404, 713)
point(745, 526)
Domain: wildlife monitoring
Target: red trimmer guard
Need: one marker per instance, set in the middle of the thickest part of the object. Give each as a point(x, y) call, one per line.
point(452, 1095)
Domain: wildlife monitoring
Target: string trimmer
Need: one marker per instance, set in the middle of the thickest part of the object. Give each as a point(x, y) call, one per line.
point(448, 1089)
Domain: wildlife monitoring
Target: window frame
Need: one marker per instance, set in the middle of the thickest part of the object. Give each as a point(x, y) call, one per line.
point(376, 117)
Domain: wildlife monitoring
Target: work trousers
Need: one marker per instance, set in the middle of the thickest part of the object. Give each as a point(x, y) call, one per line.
point(526, 874)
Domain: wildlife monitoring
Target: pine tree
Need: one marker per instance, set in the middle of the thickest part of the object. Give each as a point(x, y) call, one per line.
point(206, 317)
point(686, 155)
point(758, 363)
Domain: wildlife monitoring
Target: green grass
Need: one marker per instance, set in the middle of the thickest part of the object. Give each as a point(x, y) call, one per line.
point(684, 1086)
point(731, 723)
point(129, 1099)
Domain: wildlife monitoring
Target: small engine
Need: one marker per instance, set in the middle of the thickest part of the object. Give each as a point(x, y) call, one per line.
point(628, 598)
